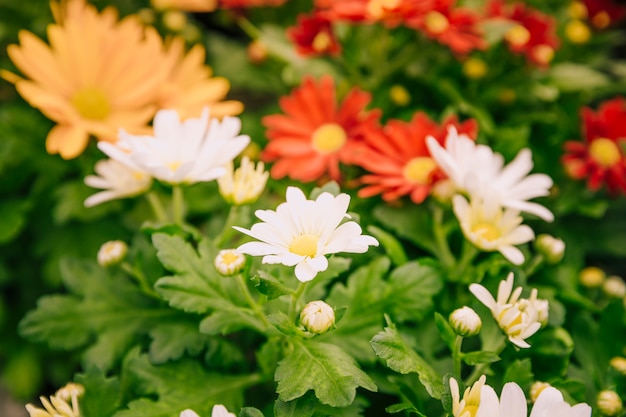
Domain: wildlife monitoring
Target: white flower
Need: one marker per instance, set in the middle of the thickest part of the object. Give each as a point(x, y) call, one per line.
point(245, 184)
point(221, 411)
point(188, 413)
point(465, 321)
point(301, 232)
point(512, 403)
point(195, 150)
point(492, 228)
point(118, 181)
point(63, 404)
point(466, 406)
point(317, 317)
point(476, 169)
point(519, 320)
point(229, 261)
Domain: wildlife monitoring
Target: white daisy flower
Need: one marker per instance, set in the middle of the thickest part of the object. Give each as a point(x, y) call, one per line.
point(220, 411)
point(517, 318)
point(117, 180)
point(492, 228)
point(301, 232)
point(245, 184)
point(550, 403)
point(195, 150)
point(466, 406)
point(476, 168)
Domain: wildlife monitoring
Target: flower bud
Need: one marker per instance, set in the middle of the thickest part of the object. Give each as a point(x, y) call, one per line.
point(614, 287)
point(317, 317)
point(112, 253)
point(591, 277)
point(443, 191)
point(550, 247)
point(399, 95)
point(619, 364)
point(245, 184)
point(229, 262)
point(609, 403)
point(70, 391)
point(475, 68)
point(536, 388)
point(465, 322)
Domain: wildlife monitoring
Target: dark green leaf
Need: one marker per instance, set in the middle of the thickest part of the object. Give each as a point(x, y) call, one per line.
point(268, 285)
point(102, 395)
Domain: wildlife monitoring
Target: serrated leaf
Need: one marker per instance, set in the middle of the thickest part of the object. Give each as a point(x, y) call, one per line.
point(171, 340)
point(180, 385)
point(398, 408)
point(474, 358)
point(102, 395)
point(412, 288)
point(228, 320)
point(268, 285)
point(398, 356)
point(300, 407)
point(330, 372)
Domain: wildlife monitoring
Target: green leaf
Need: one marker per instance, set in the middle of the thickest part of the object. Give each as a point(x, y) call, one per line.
point(285, 325)
point(324, 368)
point(392, 246)
point(250, 412)
point(520, 371)
point(300, 407)
point(474, 358)
point(102, 395)
point(398, 356)
point(569, 76)
point(445, 330)
point(170, 341)
point(412, 288)
point(412, 222)
point(12, 218)
point(230, 319)
point(398, 408)
point(268, 285)
point(330, 187)
point(172, 387)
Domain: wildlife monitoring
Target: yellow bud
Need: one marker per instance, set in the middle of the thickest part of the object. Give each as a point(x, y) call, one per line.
point(609, 403)
point(474, 68)
point(174, 20)
point(619, 364)
point(399, 95)
point(577, 10)
point(591, 277)
point(614, 287)
point(577, 32)
point(229, 262)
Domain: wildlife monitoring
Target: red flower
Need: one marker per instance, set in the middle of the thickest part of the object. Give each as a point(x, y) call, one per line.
point(391, 12)
point(313, 35)
point(600, 159)
point(398, 160)
point(455, 27)
point(316, 133)
point(533, 35)
point(602, 13)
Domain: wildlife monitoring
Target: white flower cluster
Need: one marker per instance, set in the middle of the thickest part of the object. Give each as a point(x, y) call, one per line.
point(497, 193)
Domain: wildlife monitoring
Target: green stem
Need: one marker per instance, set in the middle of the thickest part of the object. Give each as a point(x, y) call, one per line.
point(479, 370)
point(294, 300)
point(443, 249)
point(251, 301)
point(248, 27)
point(468, 254)
point(178, 203)
point(228, 231)
point(456, 355)
point(534, 263)
point(157, 206)
point(141, 280)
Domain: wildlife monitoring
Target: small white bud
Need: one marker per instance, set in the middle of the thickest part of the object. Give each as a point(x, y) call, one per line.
point(614, 287)
point(619, 364)
point(112, 253)
point(317, 317)
point(609, 403)
point(465, 322)
point(536, 388)
point(229, 262)
point(550, 247)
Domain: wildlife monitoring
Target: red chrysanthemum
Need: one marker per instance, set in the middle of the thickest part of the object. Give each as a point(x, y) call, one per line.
point(455, 27)
point(316, 133)
point(601, 157)
point(603, 13)
point(533, 34)
point(314, 35)
point(398, 160)
point(390, 12)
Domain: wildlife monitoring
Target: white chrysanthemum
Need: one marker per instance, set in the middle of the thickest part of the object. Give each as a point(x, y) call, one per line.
point(466, 406)
point(245, 184)
point(492, 228)
point(221, 411)
point(512, 403)
point(519, 320)
point(117, 180)
point(301, 232)
point(476, 169)
point(194, 150)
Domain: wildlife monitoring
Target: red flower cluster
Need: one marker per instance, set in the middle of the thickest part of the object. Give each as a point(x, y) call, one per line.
point(603, 13)
point(313, 35)
point(600, 158)
point(533, 33)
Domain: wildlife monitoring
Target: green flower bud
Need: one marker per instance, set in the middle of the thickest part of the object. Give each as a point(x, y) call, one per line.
point(550, 247)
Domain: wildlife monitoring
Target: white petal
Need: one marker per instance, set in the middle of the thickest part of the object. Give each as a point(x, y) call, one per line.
point(489, 405)
point(483, 295)
point(512, 401)
point(304, 272)
point(220, 411)
point(547, 399)
point(188, 413)
point(514, 255)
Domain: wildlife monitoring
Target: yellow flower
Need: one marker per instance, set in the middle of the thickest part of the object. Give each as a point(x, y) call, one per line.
point(98, 74)
point(245, 184)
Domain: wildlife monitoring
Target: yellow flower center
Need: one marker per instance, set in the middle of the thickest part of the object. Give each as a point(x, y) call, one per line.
point(399, 95)
point(474, 68)
point(604, 152)
point(577, 32)
point(601, 20)
point(91, 103)
point(543, 53)
point(304, 245)
point(173, 166)
point(436, 23)
point(230, 258)
point(418, 170)
point(328, 138)
point(377, 8)
point(487, 231)
point(507, 328)
point(518, 36)
point(321, 42)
